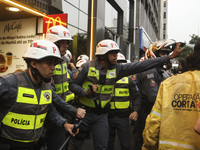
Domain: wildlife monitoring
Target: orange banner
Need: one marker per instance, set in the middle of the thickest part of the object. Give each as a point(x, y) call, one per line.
point(52, 20)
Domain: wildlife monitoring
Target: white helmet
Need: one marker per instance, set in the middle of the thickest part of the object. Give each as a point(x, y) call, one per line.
point(162, 45)
point(80, 62)
point(142, 58)
point(120, 56)
point(40, 49)
point(128, 61)
point(58, 32)
point(105, 46)
point(83, 57)
point(68, 55)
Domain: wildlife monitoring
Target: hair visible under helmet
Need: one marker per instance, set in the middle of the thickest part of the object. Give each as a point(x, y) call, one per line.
point(192, 60)
point(39, 50)
point(156, 47)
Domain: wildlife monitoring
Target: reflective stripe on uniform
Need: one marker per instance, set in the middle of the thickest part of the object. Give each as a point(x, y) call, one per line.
point(119, 105)
point(104, 89)
point(70, 97)
point(93, 72)
point(22, 121)
point(180, 145)
point(156, 114)
point(59, 71)
point(62, 87)
point(122, 92)
point(90, 102)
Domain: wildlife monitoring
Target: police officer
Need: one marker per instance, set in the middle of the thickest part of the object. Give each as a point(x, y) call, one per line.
point(149, 82)
point(170, 125)
point(26, 98)
point(126, 94)
point(101, 74)
point(60, 80)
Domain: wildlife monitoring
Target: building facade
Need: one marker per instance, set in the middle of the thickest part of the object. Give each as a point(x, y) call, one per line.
point(133, 24)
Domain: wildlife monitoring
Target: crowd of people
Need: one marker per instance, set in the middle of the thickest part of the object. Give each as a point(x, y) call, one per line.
point(55, 102)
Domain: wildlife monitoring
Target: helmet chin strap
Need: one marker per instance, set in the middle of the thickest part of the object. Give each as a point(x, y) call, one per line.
point(35, 71)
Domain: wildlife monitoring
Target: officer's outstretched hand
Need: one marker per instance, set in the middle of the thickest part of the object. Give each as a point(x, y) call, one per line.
point(80, 113)
point(177, 51)
point(133, 116)
point(69, 127)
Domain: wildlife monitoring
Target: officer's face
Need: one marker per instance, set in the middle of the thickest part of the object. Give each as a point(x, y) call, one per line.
point(112, 56)
point(46, 67)
point(63, 47)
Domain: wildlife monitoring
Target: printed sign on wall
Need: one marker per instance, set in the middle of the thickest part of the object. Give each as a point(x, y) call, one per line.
point(15, 36)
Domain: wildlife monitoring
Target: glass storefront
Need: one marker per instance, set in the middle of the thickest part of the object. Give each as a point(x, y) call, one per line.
point(77, 11)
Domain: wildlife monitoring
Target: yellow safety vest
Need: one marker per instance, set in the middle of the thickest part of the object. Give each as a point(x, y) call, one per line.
point(61, 81)
point(121, 95)
point(24, 122)
point(104, 92)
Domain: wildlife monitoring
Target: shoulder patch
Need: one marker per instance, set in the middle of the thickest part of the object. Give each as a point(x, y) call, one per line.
point(150, 76)
point(133, 77)
point(75, 76)
point(152, 83)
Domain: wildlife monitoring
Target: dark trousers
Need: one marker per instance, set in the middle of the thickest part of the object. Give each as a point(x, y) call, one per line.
point(56, 138)
point(6, 144)
point(98, 126)
point(140, 125)
point(121, 126)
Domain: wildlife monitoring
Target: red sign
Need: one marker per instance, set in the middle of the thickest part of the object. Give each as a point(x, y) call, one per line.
point(52, 20)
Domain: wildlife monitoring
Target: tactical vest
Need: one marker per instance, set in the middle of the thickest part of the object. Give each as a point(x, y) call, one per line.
point(105, 90)
point(24, 122)
point(61, 81)
point(121, 96)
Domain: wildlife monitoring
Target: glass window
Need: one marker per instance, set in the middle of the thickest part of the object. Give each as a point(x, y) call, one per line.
point(110, 17)
point(73, 45)
point(164, 26)
point(165, 3)
point(72, 13)
point(82, 43)
point(84, 6)
point(73, 2)
point(164, 14)
point(83, 21)
point(79, 44)
point(126, 17)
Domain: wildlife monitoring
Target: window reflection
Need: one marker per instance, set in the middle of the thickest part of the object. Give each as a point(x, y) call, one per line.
point(72, 14)
point(83, 21)
point(77, 23)
point(79, 44)
point(73, 2)
point(84, 5)
point(110, 17)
